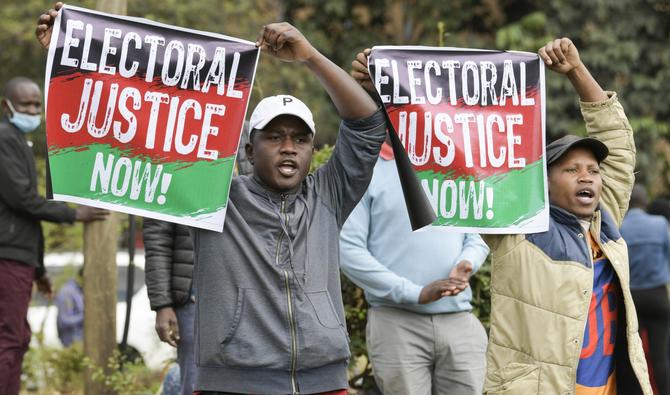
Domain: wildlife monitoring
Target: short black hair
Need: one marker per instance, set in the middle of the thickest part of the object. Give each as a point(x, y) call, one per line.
point(638, 197)
point(13, 84)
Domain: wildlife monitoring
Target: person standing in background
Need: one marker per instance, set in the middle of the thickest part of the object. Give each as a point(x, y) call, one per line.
point(21, 240)
point(648, 239)
point(70, 304)
point(421, 336)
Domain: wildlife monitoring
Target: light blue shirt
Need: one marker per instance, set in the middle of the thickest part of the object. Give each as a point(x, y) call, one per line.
point(380, 253)
point(648, 249)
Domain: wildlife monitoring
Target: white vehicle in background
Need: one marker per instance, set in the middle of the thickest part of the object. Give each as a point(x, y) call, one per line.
point(141, 333)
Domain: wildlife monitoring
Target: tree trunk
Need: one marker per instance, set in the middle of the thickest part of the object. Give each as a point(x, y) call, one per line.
point(100, 240)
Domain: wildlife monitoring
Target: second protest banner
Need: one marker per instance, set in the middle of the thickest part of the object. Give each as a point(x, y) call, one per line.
point(472, 124)
point(143, 117)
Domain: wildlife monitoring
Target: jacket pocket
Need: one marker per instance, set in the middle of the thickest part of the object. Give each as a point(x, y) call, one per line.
point(514, 379)
point(257, 336)
point(323, 338)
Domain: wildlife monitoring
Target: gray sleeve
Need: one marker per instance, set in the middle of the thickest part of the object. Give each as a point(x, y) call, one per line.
point(158, 246)
point(342, 181)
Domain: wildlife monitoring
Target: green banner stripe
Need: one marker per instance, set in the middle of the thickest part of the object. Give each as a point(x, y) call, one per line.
point(498, 201)
point(104, 173)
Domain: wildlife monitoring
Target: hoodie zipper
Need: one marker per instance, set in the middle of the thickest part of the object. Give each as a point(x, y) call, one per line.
point(289, 301)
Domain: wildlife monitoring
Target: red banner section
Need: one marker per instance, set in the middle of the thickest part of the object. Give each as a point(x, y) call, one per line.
point(150, 119)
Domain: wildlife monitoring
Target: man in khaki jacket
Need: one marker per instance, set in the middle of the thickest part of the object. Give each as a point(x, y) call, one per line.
point(563, 320)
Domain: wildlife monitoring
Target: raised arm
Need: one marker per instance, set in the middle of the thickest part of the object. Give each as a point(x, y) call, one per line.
point(561, 56)
point(287, 43)
point(605, 120)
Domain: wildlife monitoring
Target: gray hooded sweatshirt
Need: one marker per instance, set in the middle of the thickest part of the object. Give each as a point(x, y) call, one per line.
point(270, 318)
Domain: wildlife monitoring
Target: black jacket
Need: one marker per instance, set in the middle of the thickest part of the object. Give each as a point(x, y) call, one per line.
point(21, 207)
point(168, 263)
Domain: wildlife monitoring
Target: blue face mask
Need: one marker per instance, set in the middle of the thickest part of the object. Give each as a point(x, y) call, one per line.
point(24, 122)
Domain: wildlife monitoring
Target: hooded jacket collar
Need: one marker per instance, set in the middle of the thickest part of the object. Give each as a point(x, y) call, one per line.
point(257, 188)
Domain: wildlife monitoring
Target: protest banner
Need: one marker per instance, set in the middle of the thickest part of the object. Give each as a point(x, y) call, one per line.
point(472, 126)
point(145, 118)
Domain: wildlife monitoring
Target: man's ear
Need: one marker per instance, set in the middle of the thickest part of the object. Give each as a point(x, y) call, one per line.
point(5, 107)
point(249, 150)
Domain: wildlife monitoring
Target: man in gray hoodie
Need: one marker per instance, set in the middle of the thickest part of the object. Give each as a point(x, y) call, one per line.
point(270, 318)
point(269, 313)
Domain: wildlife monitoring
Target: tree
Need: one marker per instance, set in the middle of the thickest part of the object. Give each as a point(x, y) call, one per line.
point(630, 57)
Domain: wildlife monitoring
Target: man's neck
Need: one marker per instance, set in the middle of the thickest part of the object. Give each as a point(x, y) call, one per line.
point(585, 223)
point(276, 191)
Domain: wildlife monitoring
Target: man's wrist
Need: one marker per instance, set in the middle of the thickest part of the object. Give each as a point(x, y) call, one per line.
point(314, 58)
point(415, 294)
point(579, 72)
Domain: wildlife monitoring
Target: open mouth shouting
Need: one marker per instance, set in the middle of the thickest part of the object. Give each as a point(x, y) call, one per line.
point(586, 196)
point(287, 168)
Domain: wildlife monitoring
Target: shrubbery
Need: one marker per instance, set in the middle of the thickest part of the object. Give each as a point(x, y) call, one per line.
point(56, 370)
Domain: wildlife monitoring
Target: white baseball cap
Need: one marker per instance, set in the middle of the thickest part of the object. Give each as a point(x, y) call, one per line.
point(273, 106)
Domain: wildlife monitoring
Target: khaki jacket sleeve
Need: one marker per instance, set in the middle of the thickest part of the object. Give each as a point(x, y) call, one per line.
point(607, 122)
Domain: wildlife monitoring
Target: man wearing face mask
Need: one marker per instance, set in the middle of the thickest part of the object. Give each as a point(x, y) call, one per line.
point(21, 240)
